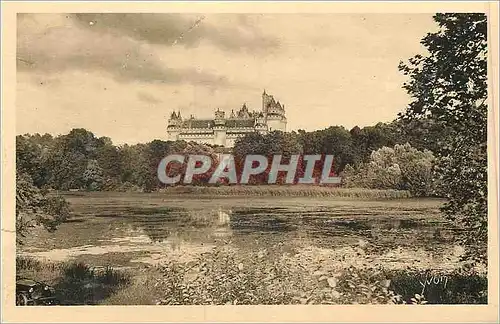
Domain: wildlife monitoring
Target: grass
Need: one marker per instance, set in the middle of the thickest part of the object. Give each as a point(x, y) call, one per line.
point(288, 191)
point(75, 283)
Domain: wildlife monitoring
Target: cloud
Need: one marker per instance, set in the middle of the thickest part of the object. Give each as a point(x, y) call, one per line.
point(53, 43)
point(232, 32)
point(146, 97)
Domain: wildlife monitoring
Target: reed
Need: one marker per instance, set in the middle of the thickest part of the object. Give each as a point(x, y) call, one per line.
point(288, 191)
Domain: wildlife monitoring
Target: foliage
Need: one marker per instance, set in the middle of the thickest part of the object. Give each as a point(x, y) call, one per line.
point(402, 167)
point(80, 160)
point(334, 141)
point(357, 286)
point(34, 208)
point(93, 176)
point(224, 277)
point(372, 138)
point(449, 89)
point(274, 143)
point(220, 278)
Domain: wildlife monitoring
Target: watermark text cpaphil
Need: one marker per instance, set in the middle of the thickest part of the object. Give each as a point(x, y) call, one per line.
point(299, 169)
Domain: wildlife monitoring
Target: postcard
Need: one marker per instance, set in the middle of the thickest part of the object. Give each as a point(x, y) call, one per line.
point(250, 162)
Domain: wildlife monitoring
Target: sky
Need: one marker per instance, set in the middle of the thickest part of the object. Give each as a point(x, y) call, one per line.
point(121, 75)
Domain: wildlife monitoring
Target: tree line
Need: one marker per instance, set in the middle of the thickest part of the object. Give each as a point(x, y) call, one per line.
point(80, 160)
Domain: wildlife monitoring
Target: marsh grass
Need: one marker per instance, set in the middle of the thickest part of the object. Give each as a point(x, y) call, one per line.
point(288, 191)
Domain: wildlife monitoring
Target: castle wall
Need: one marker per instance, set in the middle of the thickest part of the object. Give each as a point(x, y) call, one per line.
point(220, 137)
point(173, 135)
point(276, 125)
point(206, 139)
point(217, 132)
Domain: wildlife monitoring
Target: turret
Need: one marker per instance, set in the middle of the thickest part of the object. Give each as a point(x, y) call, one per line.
point(266, 101)
point(174, 126)
point(175, 120)
point(220, 119)
point(274, 113)
point(243, 112)
point(220, 128)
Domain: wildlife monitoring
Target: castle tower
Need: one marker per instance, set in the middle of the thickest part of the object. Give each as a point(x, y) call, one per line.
point(174, 126)
point(274, 113)
point(220, 128)
point(266, 100)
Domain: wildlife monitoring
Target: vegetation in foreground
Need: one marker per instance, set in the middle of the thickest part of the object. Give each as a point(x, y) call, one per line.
point(75, 283)
point(224, 276)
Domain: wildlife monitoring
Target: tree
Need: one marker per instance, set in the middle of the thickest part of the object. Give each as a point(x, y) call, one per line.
point(34, 208)
point(334, 140)
point(92, 176)
point(108, 158)
point(372, 138)
point(422, 133)
point(449, 88)
point(32, 152)
point(136, 166)
point(68, 158)
point(157, 150)
point(273, 143)
point(402, 167)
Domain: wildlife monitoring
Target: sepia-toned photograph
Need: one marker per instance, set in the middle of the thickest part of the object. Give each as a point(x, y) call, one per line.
point(255, 158)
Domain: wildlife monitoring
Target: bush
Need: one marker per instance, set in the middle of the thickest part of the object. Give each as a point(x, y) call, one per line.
point(225, 277)
point(402, 168)
point(221, 277)
point(35, 208)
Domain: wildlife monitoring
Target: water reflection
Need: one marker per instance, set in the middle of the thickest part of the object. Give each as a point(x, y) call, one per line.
point(247, 225)
point(183, 224)
point(152, 230)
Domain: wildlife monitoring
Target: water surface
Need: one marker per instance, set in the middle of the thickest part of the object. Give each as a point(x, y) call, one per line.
point(130, 230)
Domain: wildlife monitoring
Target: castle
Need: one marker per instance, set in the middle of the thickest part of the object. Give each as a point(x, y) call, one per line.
point(224, 131)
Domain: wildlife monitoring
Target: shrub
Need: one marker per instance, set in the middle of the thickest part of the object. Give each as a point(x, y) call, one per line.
point(402, 168)
point(35, 208)
point(221, 277)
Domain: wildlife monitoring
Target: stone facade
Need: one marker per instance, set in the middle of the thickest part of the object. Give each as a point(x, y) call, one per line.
point(222, 130)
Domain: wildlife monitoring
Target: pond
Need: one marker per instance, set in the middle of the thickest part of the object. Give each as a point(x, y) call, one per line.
point(137, 229)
